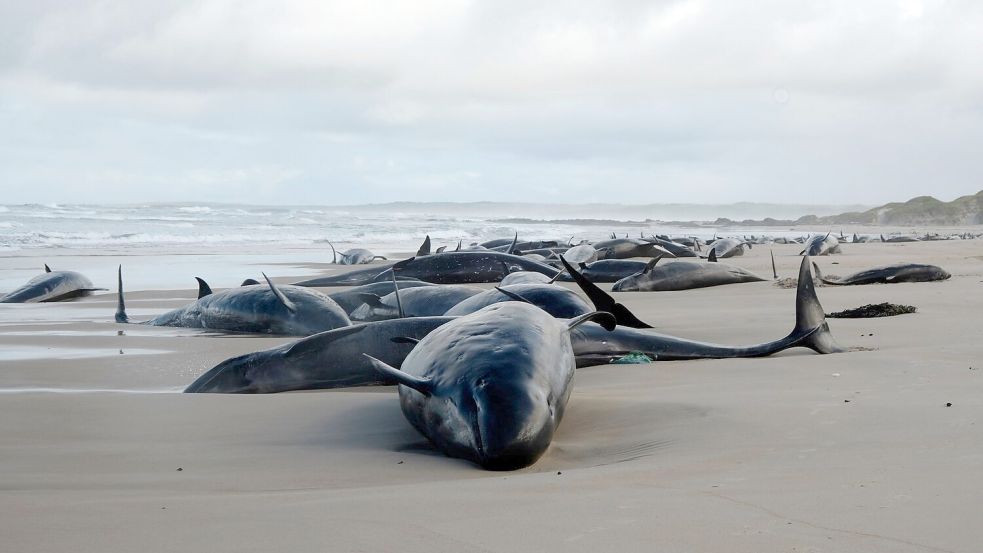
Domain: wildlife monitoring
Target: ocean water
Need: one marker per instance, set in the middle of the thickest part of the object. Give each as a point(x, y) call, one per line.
point(164, 245)
point(230, 228)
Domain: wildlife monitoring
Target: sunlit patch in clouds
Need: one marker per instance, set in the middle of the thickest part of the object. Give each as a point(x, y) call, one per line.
point(329, 101)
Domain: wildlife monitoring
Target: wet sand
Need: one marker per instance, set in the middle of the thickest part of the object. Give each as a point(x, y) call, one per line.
point(797, 452)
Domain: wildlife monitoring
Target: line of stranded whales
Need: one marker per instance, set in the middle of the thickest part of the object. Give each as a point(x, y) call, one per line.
point(484, 374)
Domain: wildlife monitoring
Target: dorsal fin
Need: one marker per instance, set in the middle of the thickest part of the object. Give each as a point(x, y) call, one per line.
point(399, 302)
point(696, 242)
point(203, 288)
point(514, 242)
point(603, 301)
point(46, 268)
point(773, 269)
point(120, 305)
point(712, 258)
point(603, 318)
point(651, 264)
point(249, 282)
point(613, 236)
point(422, 385)
point(513, 295)
point(458, 248)
point(372, 300)
point(425, 247)
point(441, 249)
point(404, 340)
point(280, 296)
point(334, 254)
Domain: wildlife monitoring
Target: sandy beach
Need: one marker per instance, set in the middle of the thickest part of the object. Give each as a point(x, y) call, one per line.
point(872, 450)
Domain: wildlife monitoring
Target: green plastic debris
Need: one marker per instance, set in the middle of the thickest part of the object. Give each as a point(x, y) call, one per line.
point(633, 358)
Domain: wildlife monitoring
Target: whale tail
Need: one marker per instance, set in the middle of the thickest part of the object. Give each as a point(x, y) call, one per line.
point(824, 280)
point(811, 329)
point(120, 305)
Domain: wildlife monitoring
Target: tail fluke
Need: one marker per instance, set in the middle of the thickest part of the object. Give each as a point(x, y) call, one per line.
point(824, 280)
point(811, 327)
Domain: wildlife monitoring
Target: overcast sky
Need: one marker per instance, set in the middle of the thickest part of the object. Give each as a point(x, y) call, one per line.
point(365, 101)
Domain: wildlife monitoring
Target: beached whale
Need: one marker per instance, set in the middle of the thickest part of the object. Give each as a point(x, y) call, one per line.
point(354, 256)
point(468, 267)
point(491, 387)
point(606, 270)
point(584, 253)
point(683, 275)
point(285, 310)
point(821, 245)
point(51, 286)
point(678, 250)
point(331, 359)
point(594, 346)
point(526, 277)
point(557, 301)
point(888, 274)
point(625, 248)
point(901, 238)
point(351, 298)
point(728, 247)
point(423, 301)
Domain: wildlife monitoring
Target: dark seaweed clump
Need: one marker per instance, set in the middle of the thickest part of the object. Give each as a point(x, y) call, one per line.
point(873, 310)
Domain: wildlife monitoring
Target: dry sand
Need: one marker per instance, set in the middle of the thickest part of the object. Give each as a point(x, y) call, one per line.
point(797, 452)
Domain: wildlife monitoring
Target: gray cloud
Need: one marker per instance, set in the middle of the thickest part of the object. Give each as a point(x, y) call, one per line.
point(700, 101)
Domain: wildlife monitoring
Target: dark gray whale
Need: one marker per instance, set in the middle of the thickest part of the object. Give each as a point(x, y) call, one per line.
point(351, 299)
point(423, 301)
point(51, 286)
point(468, 267)
point(594, 346)
point(285, 310)
point(888, 274)
point(557, 301)
point(684, 275)
point(607, 270)
point(331, 359)
point(492, 386)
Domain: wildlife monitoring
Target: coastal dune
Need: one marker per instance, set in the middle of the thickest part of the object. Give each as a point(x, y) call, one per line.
point(876, 449)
